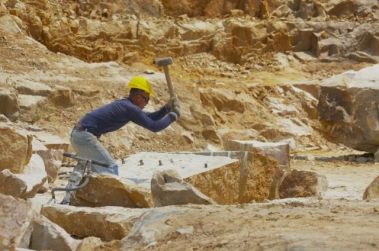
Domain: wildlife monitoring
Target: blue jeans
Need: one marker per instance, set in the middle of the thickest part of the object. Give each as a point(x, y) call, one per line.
point(88, 146)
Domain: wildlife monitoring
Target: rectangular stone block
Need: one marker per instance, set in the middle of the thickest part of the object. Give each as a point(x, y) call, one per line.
point(225, 177)
point(259, 175)
point(280, 151)
point(107, 223)
point(215, 176)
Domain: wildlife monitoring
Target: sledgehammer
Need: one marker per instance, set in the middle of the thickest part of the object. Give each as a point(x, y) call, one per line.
point(165, 62)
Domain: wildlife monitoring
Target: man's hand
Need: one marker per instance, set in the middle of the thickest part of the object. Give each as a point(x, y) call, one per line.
point(176, 110)
point(173, 103)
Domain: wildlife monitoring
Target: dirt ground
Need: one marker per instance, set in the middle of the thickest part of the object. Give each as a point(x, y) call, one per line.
point(341, 220)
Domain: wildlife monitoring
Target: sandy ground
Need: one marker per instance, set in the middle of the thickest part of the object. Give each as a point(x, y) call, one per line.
point(341, 220)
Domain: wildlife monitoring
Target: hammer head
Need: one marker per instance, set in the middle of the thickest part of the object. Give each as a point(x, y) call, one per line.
point(163, 61)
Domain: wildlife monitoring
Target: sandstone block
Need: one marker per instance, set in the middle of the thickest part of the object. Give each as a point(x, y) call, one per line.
point(8, 24)
point(167, 188)
point(33, 88)
point(302, 184)
point(216, 177)
point(372, 191)
point(62, 97)
point(9, 105)
point(259, 175)
point(89, 243)
point(15, 223)
point(110, 190)
point(27, 184)
point(28, 101)
point(51, 141)
point(49, 236)
point(348, 109)
point(225, 177)
point(52, 159)
point(15, 149)
point(280, 151)
point(107, 223)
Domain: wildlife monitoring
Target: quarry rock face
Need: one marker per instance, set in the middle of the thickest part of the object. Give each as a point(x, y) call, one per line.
point(15, 223)
point(348, 108)
point(15, 148)
point(372, 190)
point(106, 223)
point(302, 184)
point(109, 190)
point(231, 41)
point(49, 236)
point(167, 188)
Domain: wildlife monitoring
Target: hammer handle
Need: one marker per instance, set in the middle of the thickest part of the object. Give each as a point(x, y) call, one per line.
point(169, 83)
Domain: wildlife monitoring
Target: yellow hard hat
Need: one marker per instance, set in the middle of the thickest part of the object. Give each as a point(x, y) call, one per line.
point(141, 83)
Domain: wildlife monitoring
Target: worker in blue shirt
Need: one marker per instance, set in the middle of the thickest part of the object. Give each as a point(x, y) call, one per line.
point(109, 118)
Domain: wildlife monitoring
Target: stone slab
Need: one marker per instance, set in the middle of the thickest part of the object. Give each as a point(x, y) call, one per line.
point(27, 101)
point(107, 223)
point(28, 87)
point(27, 184)
point(110, 190)
point(215, 176)
point(15, 222)
point(52, 141)
point(280, 151)
point(225, 177)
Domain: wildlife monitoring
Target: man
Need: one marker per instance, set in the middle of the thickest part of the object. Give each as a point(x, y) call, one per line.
point(109, 118)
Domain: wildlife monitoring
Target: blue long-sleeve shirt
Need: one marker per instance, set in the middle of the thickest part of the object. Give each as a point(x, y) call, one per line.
point(113, 116)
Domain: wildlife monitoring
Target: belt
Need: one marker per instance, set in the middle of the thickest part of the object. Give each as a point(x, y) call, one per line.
point(81, 128)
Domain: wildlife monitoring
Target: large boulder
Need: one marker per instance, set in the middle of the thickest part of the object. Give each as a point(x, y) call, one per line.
point(47, 235)
point(9, 105)
point(110, 190)
point(216, 177)
point(348, 108)
point(225, 177)
point(27, 184)
point(168, 188)
point(15, 149)
point(15, 223)
point(302, 184)
point(372, 191)
point(107, 223)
